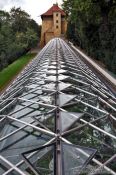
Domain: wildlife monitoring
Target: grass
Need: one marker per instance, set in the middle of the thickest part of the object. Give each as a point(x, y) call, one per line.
point(9, 73)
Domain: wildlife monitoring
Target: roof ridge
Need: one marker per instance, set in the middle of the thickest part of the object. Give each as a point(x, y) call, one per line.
point(54, 8)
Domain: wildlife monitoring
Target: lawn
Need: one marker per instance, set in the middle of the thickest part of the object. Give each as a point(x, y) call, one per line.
point(9, 73)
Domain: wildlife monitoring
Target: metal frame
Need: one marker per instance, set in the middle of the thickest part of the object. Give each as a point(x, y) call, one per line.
point(83, 81)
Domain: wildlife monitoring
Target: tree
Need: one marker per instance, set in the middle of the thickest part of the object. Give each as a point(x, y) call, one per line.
point(20, 19)
point(105, 8)
point(37, 28)
point(18, 34)
point(94, 28)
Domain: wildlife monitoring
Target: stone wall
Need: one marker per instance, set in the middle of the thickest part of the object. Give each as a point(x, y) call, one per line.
point(48, 36)
point(53, 26)
point(47, 24)
point(63, 26)
point(57, 24)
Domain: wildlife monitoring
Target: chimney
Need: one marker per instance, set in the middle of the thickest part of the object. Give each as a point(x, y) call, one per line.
point(55, 4)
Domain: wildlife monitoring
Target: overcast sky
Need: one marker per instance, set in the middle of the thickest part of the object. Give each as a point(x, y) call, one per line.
point(34, 7)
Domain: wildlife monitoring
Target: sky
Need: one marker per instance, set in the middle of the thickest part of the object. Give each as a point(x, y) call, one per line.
point(33, 7)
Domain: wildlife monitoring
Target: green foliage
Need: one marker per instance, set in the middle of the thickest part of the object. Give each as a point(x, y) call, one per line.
point(92, 26)
point(32, 38)
point(18, 34)
point(20, 19)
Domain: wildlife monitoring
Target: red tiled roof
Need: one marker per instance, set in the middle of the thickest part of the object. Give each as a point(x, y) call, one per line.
point(54, 8)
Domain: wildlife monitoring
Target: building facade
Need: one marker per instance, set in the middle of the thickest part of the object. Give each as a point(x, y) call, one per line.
point(54, 24)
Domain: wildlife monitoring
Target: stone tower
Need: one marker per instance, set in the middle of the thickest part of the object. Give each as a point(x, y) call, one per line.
point(54, 24)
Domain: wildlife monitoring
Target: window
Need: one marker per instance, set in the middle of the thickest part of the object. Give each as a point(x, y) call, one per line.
point(56, 21)
point(56, 14)
point(57, 26)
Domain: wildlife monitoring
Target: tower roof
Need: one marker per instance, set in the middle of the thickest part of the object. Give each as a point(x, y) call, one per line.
point(54, 8)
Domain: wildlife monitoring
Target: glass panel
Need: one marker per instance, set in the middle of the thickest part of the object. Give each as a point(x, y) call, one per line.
point(62, 77)
point(43, 161)
point(65, 98)
point(63, 86)
point(46, 99)
point(87, 136)
point(75, 158)
point(50, 86)
point(48, 120)
point(68, 119)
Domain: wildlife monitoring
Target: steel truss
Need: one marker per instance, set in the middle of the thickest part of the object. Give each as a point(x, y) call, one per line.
point(57, 117)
